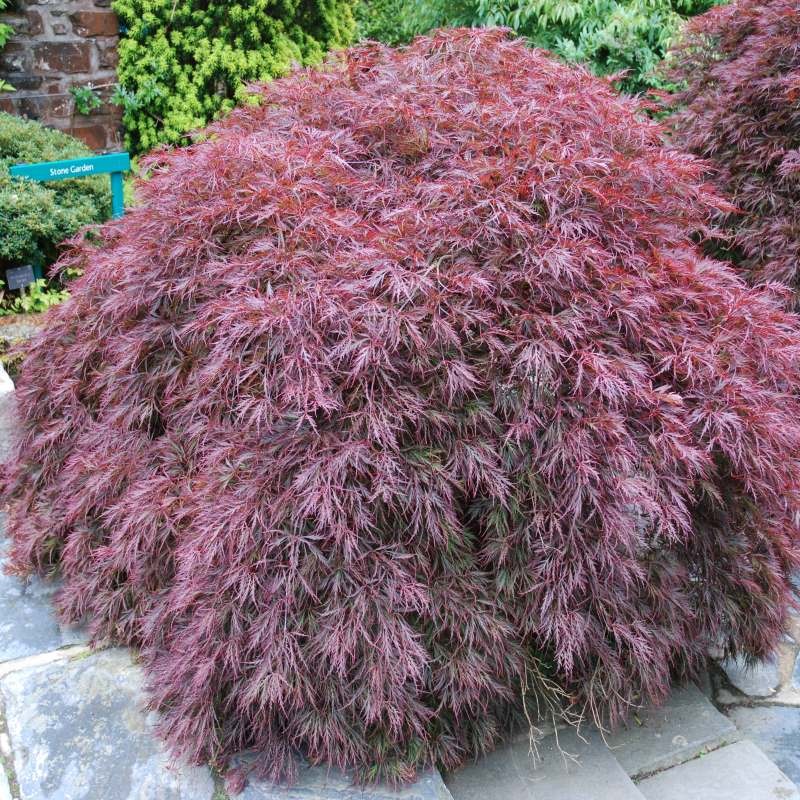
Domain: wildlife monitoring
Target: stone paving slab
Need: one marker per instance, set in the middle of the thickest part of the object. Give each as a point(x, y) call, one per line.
point(739, 771)
point(686, 725)
point(20, 326)
point(318, 783)
point(755, 680)
point(8, 421)
point(776, 730)
point(27, 623)
point(77, 732)
point(5, 789)
point(510, 772)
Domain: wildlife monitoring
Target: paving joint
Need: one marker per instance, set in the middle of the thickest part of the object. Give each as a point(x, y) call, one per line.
point(6, 754)
point(219, 786)
point(704, 752)
point(762, 699)
point(65, 653)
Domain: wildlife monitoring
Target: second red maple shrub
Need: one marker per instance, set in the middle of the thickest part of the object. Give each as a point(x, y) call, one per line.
point(740, 109)
point(405, 398)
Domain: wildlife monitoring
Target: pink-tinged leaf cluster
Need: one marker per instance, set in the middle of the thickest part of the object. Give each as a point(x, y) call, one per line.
point(405, 401)
point(741, 110)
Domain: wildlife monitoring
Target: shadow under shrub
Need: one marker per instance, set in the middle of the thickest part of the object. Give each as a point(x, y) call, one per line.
point(405, 399)
point(740, 109)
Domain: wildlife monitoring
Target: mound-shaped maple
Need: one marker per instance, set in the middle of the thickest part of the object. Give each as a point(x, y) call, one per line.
point(403, 399)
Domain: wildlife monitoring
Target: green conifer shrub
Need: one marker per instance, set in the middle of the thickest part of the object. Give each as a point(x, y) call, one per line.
point(183, 62)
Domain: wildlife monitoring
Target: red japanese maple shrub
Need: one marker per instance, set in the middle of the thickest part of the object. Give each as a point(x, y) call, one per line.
point(403, 399)
point(741, 110)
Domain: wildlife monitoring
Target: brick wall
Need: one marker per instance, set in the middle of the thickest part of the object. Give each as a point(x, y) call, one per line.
point(58, 45)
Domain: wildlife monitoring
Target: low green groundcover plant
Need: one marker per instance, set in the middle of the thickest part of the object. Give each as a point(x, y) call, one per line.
point(184, 62)
point(36, 217)
point(405, 402)
point(740, 110)
point(35, 298)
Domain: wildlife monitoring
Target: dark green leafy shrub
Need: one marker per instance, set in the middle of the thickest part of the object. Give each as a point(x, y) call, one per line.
point(35, 217)
point(385, 21)
point(6, 31)
point(183, 62)
point(608, 36)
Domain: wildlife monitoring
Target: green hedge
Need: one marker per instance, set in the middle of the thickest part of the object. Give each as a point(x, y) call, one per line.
point(183, 62)
point(35, 217)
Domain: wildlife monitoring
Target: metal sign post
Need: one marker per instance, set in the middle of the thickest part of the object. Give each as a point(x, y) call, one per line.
point(114, 163)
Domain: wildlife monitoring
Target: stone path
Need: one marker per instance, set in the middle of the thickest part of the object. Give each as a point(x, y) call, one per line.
point(738, 771)
point(686, 750)
point(72, 728)
point(763, 700)
point(71, 720)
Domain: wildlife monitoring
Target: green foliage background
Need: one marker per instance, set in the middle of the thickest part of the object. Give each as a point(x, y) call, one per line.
point(609, 36)
point(35, 217)
point(183, 62)
point(387, 21)
point(6, 32)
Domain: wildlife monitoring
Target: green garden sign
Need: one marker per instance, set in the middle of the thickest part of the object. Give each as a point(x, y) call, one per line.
point(114, 163)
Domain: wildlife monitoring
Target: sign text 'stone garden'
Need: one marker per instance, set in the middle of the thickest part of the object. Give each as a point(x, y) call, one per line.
point(113, 163)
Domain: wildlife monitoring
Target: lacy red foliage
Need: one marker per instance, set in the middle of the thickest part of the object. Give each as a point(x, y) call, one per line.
point(741, 110)
point(404, 399)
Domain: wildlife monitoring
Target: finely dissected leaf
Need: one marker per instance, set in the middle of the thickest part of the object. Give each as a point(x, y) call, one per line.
point(740, 109)
point(403, 399)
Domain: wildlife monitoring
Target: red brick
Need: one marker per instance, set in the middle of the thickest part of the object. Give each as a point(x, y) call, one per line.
point(15, 57)
point(95, 136)
point(27, 83)
point(35, 23)
point(21, 24)
point(70, 57)
point(46, 108)
point(95, 23)
point(107, 56)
